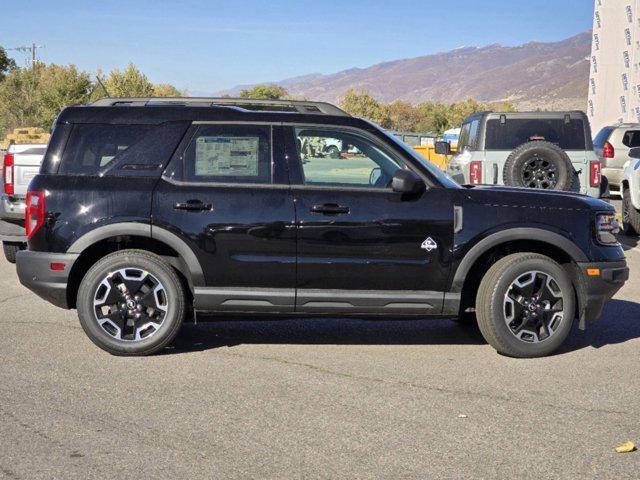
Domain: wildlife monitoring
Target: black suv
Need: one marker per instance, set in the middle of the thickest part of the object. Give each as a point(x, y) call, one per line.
point(149, 211)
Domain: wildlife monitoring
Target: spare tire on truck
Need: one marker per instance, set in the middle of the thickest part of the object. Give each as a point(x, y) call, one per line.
point(539, 165)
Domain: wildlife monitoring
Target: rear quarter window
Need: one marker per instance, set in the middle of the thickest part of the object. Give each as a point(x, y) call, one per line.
point(122, 150)
point(515, 132)
point(93, 147)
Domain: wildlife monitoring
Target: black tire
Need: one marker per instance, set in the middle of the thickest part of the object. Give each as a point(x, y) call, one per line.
point(145, 268)
point(332, 151)
point(491, 306)
point(630, 216)
point(539, 165)
point(10, 251)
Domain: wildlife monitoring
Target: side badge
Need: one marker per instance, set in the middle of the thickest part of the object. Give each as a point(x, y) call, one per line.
point(429, 244)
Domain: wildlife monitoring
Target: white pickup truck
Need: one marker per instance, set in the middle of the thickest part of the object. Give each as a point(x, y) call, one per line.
point(20, 164)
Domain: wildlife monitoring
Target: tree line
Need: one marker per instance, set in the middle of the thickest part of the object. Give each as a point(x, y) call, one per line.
point(33, 96)
point(397, 116)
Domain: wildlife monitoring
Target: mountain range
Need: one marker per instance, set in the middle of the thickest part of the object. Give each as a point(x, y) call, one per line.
point(552, 75)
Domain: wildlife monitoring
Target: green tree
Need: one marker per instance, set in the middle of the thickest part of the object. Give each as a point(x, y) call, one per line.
point(19, 98)
point(271, 92)
point(60, 87)
point(6, 64)
point(129, 82)
point(363, 105)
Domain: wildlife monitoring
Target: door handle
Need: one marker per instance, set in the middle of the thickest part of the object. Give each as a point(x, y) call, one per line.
point(193, 206)
point(330, 209)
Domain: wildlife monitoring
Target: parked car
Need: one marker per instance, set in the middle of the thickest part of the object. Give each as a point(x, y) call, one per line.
point(20, 164)
point(544, 150)
point(145, 210)
point(630, 186)
point(612, 145)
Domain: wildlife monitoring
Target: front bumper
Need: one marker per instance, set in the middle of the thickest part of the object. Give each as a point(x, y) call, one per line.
point(595, 290)
point(35, 273)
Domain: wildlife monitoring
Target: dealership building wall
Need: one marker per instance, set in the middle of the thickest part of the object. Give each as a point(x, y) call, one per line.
point(614, 83)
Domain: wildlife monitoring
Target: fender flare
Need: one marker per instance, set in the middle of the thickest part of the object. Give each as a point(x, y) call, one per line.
point(144, 230)
point(509, 235)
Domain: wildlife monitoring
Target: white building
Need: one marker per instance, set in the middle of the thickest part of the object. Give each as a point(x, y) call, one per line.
point(614, 83)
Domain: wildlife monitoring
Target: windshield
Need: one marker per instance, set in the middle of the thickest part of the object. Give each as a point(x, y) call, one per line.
point(442, 177)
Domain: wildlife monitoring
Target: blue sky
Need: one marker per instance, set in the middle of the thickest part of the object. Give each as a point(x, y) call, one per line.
point(205, 46)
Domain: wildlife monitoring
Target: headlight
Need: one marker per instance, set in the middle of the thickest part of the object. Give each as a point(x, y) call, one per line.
point(607, 227)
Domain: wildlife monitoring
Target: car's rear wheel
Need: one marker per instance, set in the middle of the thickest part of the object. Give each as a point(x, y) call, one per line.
point(630, 216)
point(131, 302)
point(10, 251)
point(525, 305)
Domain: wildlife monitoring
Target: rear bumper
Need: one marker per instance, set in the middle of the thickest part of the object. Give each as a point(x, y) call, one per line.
point(12, 232)
point(614, 175)
point(34, 272)
point(594, 291)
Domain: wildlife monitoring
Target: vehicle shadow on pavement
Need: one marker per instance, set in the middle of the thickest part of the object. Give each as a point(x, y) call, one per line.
point(322, 331)
point(619, 323)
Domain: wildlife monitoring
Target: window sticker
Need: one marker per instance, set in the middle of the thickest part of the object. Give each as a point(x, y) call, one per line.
point(227, 156)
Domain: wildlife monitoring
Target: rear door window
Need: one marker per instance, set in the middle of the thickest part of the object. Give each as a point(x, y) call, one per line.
point(631, 139)
point(92, 147)
point(517, 131)
point(229, 154)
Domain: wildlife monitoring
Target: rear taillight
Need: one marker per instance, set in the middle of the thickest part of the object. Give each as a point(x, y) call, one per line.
point(7, 174)
point(595, 174)
point(34, 212)
point(608, 151)
point(475, 173)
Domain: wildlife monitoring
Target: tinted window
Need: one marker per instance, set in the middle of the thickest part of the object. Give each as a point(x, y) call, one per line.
point(515, 132)
point(92, 147)
point(602, 137)
point(229, 154)
point(342, 158)
point(631, 138)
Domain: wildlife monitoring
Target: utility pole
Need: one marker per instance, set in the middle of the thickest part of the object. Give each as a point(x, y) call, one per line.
point(29, 49)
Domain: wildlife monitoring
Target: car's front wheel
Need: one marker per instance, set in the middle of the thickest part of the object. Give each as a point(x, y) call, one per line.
point(131, 302)
point(525, 305)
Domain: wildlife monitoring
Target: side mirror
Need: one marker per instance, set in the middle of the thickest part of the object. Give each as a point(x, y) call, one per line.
point(375, 175)
point(406, 181)
point(443, 148)
point(634, 152)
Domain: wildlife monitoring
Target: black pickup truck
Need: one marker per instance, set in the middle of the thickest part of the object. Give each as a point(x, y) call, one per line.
point(149, 211)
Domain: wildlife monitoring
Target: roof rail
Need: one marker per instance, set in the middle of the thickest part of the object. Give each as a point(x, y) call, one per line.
point(243, 103)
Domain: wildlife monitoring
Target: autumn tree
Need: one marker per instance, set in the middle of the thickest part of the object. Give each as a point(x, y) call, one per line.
point(363, 105)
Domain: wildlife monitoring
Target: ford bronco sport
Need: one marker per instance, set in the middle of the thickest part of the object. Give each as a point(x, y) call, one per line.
point(147, 210)
point(544, 150)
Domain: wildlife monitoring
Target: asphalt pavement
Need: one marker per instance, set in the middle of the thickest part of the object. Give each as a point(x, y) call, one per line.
point(316, 398)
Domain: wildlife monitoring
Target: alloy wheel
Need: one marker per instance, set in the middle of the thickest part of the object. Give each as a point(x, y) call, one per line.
point(533, 307)
point(130, 304)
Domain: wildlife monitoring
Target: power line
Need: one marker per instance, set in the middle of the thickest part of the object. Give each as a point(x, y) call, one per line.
point(28, 49)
